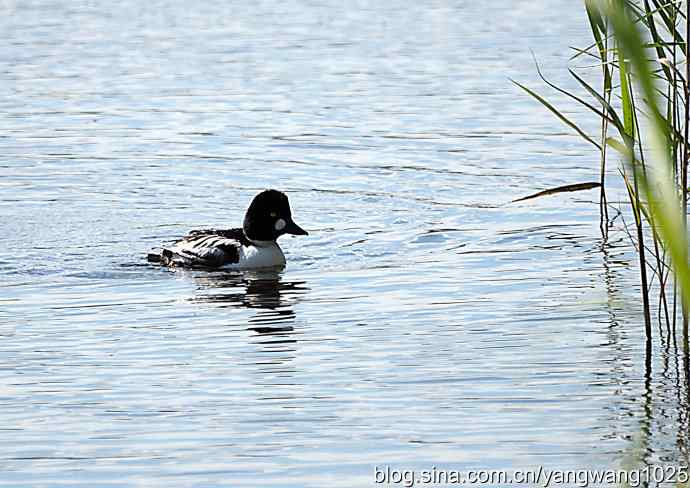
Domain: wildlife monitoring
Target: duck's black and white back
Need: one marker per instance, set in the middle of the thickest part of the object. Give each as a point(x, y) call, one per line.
point(252, 246)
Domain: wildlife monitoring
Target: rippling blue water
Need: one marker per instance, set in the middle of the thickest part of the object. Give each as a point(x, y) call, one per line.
point(424, 322)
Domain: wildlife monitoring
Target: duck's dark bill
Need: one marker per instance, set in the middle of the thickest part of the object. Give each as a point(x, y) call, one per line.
point(292, 228)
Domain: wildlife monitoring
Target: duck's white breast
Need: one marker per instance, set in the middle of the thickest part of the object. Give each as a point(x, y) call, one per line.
point(260, 256)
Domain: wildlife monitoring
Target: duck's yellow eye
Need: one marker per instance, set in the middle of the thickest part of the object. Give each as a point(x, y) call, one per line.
point(274, 214)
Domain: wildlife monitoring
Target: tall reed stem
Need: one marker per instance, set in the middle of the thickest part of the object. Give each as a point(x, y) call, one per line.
point(685, 156)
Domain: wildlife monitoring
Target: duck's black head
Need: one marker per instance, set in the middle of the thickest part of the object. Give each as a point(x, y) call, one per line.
point(269, 217)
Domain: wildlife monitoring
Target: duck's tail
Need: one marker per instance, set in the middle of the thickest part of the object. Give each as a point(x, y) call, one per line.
point(153, 258)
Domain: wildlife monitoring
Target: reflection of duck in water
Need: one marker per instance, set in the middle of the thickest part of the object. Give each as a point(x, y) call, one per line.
point(251, 247)
point(262, 290)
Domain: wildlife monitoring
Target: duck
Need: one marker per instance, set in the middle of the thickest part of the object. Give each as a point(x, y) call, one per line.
point(253, 246)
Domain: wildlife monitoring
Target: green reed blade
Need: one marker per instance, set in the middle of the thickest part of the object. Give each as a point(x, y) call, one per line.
point(561, 189)
point(558, 114)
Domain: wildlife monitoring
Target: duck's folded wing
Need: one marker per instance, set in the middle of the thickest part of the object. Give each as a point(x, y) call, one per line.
point(236, 234)
point(202, 250)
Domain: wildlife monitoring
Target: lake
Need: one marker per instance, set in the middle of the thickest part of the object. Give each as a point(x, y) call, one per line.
point(425, 321)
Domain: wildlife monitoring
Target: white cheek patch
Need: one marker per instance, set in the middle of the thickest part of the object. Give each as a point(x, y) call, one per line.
point(280, 224)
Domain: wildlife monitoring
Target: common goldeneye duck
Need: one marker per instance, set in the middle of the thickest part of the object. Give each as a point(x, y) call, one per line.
point(253, 246)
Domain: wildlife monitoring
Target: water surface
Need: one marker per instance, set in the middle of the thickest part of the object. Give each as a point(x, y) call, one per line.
point(424, 322)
